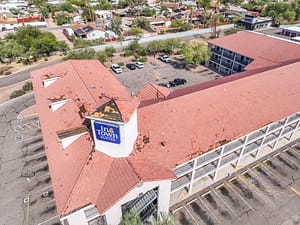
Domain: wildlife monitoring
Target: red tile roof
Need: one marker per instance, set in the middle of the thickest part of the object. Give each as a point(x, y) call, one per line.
point(171, 131)
point(265, 50)
point(153, 91)
point(194, 122)
point(84, 82)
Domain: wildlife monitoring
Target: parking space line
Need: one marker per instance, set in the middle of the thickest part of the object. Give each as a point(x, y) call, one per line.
point(225, 203)
point(206, 193)
point(219, 186)
point(209, 210)
point(42, 189)
point(256, 190)
point(241, 197)
point(276, 174)
point(295, 191)
point(257, 176)
point(190, 214)
point(45, 221)
point(191, 201)
point(175, 210)
point(294, 151)
point(288, 159)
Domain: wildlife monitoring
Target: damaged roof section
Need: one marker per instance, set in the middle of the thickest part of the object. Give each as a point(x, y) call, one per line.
point(108, 111)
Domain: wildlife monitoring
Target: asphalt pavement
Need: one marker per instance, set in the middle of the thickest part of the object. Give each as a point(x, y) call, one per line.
point(24, 74)
point(26, 194)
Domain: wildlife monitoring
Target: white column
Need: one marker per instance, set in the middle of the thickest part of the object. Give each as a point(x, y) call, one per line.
point(219, 163)
point(279, 136)
point(262, 142)
point(242, 152)
point(193, 175)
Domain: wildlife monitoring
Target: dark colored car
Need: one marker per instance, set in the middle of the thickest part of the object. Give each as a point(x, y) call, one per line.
point(177, 81)
point(131, 66)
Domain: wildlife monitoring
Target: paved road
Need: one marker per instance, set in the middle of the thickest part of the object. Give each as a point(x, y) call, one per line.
point(23, 75)
point(181, 35)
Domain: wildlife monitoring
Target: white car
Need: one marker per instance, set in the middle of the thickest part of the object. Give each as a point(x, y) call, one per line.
point(139, 65)
point(116, 68)
point(165, 58)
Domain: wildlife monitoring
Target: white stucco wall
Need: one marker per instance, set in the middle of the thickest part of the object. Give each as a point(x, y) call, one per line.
point(77, 218)
point(114, 214)
point(128, 135)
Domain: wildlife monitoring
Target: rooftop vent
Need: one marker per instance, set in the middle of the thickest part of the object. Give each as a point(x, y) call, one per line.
point(57, 102)
point(67, 137)
point(50, 79)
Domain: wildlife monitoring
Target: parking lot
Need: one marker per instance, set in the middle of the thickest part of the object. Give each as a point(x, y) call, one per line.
point(265, 193)
point(25, 185)
point(156, 71)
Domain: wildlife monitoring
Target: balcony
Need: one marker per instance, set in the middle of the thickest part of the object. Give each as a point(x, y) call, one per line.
point(226, 64)
point(217, 51)
point(228, 55)
point(181, 170)
point(180, 183)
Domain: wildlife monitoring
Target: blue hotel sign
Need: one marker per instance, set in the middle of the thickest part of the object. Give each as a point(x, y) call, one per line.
point(107, 132)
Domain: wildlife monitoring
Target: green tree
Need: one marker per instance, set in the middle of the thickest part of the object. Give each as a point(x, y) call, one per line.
point(196, 53)
point(148, 12)
point(62, 18)
point(110, 51)
point(154, 47)
point(233, 30)
point(141, 22)
point(116, 25)
point(67, 6)
point(10, 49)
point(296, 7)
point(280, 12)
point(102, 56)
point(131, 218)
point(136, 31)
point(181, 25)
point(205, 4)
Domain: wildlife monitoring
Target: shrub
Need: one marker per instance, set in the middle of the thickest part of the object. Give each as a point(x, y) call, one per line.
point(127, 53)
point(7, 73)
point(143, 59)
point(16, 93)
point(121, 63)
point(27, 86)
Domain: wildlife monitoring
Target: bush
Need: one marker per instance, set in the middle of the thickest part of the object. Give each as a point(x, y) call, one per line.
point(7, 73)
point(27, 86)
point(127, 53)
point(16, 93)
point(121, 63)
point(143, 59)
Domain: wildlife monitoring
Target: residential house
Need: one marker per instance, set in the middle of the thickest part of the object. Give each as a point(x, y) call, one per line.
point(252, 22)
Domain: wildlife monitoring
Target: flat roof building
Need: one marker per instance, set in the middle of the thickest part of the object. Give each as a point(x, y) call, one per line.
point(110, 152)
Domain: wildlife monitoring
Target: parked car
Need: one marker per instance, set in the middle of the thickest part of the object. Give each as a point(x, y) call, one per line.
point(164, 85)
point(131, 66)
point(165, 58)
point(176, 82)
point(139, 65)
point(116, 68)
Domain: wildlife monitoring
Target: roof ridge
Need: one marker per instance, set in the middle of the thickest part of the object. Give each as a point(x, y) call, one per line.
point(80, 78)
point(154, 86)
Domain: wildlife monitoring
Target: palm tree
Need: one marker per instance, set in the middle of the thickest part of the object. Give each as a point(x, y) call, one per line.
point(164, 219)
point(131, 218)
point(116, 25)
